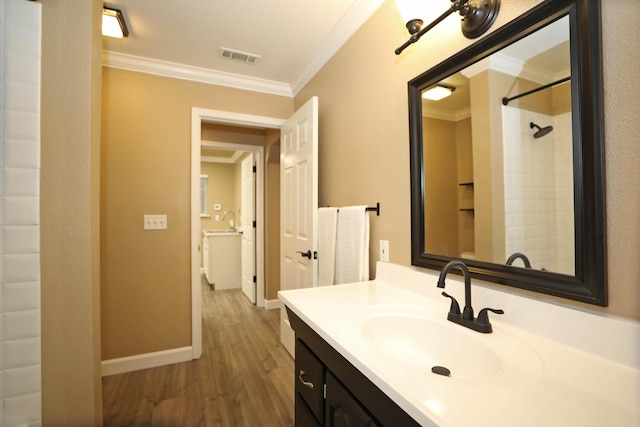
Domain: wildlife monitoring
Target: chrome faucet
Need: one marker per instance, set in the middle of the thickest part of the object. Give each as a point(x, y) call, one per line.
point(466, 318)
point(232, 225)
point(520, 255)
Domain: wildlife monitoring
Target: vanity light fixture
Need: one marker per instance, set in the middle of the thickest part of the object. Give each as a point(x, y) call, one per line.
point(438, 92)
point(113, 24)
point(477, 18)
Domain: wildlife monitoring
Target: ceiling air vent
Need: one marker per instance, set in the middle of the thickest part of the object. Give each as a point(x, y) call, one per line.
point(236, 55)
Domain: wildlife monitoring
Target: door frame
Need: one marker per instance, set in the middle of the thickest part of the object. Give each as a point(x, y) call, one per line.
point(198, 116)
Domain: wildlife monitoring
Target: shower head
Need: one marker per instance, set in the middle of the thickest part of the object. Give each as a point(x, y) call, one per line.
point(541, 131)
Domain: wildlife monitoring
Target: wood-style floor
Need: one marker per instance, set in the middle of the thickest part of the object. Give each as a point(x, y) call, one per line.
point(244, 378)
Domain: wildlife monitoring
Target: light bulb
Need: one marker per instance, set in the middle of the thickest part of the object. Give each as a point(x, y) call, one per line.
point(427, 10)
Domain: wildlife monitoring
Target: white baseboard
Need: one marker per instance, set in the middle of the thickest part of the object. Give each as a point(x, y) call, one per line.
point(145, 361)
point(272, 304)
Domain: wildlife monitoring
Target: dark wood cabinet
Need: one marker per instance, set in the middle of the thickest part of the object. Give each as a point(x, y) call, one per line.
point(342, 409)
point(310, 380)
point(303, 416)
point(321, 400)
point(330, 391)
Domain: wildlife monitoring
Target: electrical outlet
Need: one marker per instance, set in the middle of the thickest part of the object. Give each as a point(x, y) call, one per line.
point(384, 250)
point(155, 222)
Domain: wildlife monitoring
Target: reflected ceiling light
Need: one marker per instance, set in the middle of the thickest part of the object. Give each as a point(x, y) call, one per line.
point(438, 92)
point(477, 17)
point(113, 24)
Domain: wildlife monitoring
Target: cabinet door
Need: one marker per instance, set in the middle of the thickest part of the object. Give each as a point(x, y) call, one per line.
point(342, 410)
point(310, 380)
point(304, 417)
point(205, 258)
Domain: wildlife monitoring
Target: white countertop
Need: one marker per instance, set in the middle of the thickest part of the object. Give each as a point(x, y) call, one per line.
point(593, 381)
point(209, 233)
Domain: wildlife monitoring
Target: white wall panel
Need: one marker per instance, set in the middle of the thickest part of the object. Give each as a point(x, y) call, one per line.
point(20, 365)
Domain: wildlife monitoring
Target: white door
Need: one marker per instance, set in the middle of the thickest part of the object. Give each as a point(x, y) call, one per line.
point(298, 206)
point(247, 215)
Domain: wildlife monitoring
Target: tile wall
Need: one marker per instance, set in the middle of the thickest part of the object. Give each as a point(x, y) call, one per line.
point(20, 378)
point(539, 190)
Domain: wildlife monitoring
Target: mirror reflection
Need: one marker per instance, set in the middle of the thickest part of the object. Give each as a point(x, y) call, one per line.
point(498, 157)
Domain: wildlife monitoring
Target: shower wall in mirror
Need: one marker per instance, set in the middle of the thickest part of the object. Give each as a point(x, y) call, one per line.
point(498, 178)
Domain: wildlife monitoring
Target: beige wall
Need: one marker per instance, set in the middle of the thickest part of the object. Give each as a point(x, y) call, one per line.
point(272, 215)
point(216, 132)
point(561, 99)
point(230, 188)
point(237, 190)
point(555, 100)
point(488, 163)
point(363, 114)
point(69, 213)
point(441, 181)
point(272, 231)
point(448, 163)
point(146, 149)
point(466, 194)
point(221, 190)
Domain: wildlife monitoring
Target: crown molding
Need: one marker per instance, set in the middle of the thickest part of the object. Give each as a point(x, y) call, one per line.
point(357, 15)
point(509, 66)
point(451, 116)
point(217, 159)
point(196, 74)
point(214, 159)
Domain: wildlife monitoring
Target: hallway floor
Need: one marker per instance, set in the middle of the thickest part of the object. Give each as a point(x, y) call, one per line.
point(244, 378)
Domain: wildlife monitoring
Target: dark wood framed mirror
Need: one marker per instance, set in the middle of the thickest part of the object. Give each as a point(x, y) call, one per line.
point(511, 165)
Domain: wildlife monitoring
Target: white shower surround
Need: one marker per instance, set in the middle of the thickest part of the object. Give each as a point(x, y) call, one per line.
point(20, 364)
point(538, 176)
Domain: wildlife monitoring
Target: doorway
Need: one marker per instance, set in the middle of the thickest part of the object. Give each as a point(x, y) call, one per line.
point(198, 118)
point(227, 203)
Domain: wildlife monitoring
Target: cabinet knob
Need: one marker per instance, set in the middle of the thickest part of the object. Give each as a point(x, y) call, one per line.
point(306, 383)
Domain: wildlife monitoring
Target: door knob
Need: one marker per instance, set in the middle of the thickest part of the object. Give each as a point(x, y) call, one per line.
point(305, 254)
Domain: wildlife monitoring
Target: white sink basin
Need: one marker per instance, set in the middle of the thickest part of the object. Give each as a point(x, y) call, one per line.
point(422, 339)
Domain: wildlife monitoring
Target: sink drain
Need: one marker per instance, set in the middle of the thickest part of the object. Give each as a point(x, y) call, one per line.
point(441, 370)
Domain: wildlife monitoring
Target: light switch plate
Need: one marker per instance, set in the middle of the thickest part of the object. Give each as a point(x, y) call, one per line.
point(155, 222)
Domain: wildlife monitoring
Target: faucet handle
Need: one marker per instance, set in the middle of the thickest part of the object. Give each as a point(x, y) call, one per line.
point(455, 307)
point(483, 316)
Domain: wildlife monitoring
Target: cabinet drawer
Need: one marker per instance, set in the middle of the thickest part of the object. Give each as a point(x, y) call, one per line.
point(310, 380)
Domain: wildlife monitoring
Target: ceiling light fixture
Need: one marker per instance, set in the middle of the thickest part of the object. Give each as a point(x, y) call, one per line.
point(477, 18)
point(113, 24)
point(438, 92)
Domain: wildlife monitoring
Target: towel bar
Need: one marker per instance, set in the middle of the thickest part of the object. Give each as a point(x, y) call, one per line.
point(376, 209)
point(372, 209)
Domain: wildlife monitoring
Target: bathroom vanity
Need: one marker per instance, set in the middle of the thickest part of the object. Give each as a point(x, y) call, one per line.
point(221, 251)
point(331, 391)
point(365, 351)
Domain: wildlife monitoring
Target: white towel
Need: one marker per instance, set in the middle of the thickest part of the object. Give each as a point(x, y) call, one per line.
point(352, 245)
point(327, 224)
